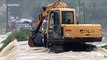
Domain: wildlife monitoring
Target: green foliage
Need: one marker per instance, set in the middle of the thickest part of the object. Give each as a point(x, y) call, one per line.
point(105, 46)
point(23, 34)
point(6, 42)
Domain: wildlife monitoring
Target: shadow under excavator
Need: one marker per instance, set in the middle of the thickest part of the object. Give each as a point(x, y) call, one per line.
point(77, 47)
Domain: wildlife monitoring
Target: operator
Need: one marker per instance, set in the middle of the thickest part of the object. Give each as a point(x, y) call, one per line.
point(44, 25)
point(68, 21)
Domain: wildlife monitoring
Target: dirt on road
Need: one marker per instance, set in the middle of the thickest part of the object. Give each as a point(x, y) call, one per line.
point(41, 53)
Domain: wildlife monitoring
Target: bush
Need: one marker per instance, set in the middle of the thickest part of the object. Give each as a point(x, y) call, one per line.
point(23, 34)
point(105, 46)
point(6, 42)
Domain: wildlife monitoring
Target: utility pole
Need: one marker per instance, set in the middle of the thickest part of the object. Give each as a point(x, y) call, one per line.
point(79, 9)
point(84, 11)
point(6, 16)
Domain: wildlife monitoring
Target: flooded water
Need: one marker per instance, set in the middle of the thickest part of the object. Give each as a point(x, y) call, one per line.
point(41, 53)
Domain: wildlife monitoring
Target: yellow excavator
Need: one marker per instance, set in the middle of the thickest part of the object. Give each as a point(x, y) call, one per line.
point(62, 27)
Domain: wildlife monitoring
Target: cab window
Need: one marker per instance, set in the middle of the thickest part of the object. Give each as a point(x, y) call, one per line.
point(54, 19)
point(67, 17)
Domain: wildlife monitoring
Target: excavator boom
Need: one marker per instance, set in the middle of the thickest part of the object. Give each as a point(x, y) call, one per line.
point(44, 12)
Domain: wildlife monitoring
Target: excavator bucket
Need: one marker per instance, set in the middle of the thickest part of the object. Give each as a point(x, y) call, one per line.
point(30, 42)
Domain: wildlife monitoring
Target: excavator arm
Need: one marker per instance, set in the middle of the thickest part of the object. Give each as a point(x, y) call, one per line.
point(44, 12)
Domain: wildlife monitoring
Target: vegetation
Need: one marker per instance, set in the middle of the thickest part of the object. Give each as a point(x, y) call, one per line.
point(6, 42)
point(22, 34)
point(105, 46)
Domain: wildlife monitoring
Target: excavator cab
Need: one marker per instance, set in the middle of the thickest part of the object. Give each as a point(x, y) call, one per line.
point(56, 20)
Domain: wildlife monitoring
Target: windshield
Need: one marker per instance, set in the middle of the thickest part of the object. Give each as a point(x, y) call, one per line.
point(67, 17)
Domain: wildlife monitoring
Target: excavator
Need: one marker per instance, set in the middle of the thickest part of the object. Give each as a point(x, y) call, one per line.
point(62, 27)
